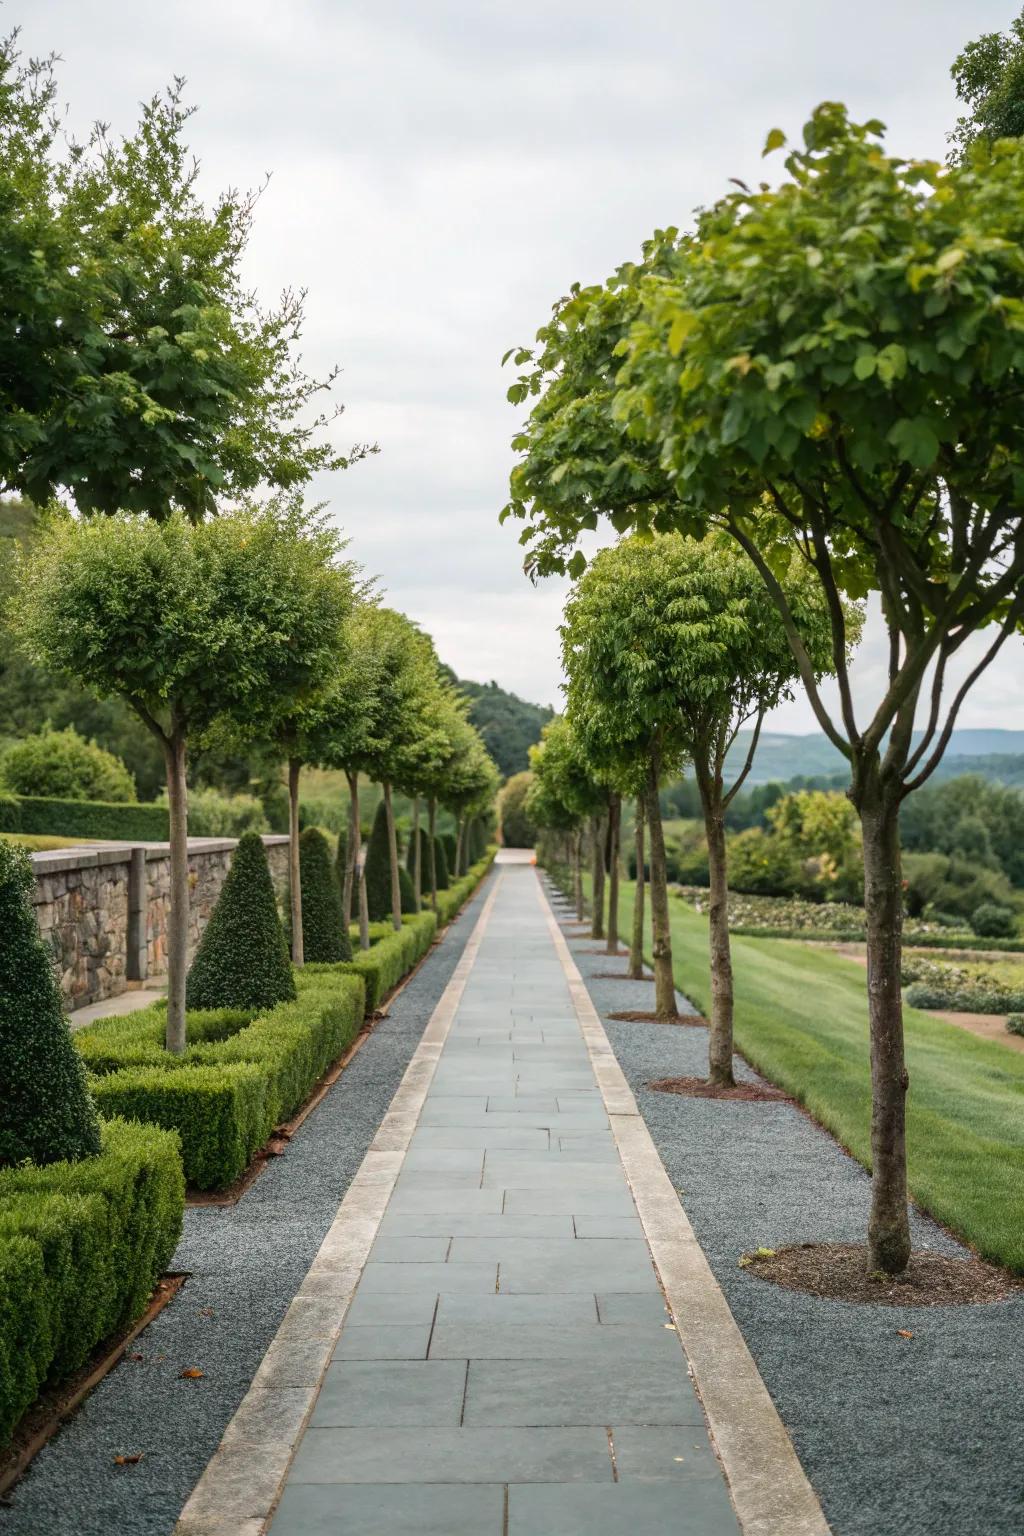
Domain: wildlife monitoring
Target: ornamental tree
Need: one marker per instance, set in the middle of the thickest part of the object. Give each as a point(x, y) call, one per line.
point(676, 636)
point(202, 629)
point(454, 737)
point(138, 372)
point(989, 80)
point(834, 367)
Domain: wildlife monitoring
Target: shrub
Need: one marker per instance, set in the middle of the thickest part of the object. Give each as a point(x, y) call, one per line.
point(1015, 1023)
point(46, 1114)
point(227, 1092)
point(63, 765)
point(90, 819)
point(211, 814)
point(391, 955)
point(952, 884)
point(991, 922)
point(450, 844)
point(408, 894)
point(323, 932)
point(764, 865)
point(242, 961)
point(81, 1247)
point(441, 863)
point(410, 859)
point(340, 859)
point(517, 829)
point(378, 868)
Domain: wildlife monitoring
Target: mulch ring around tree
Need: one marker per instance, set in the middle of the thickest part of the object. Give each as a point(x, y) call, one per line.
point(640, 1016)
point(839, 1272)
point(700, 1088)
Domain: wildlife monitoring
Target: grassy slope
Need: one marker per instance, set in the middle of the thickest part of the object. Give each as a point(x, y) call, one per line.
point(801, 1019)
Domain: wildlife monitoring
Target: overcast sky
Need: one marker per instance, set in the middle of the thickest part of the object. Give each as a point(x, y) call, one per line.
point(443, 170)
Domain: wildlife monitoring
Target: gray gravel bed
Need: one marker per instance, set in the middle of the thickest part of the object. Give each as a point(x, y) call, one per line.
point(919, 1436)
point(245, 1262)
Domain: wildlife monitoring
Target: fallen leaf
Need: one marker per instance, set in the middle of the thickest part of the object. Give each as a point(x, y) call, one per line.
point(135, 1355)
point(128, 1461)
point(192, 1374)
point(205, 1311)
point(904, 1333)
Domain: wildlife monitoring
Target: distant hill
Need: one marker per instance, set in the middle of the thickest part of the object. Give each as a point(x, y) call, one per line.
point(508, 724)
point(994, 754)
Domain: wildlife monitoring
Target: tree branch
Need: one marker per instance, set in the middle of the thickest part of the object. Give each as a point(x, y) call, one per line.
point(738, 785)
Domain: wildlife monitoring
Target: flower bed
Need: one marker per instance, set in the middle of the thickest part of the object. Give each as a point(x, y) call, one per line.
point(81, 1247)
point(996, 987)
point(793, 917)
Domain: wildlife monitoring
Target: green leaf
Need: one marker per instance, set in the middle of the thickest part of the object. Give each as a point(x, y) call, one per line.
point(775, 140)
point(915, 440)
point(864, 366)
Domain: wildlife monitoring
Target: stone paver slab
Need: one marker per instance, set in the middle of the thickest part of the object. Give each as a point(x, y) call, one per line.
point(651, 1509)
point(467, 1455)
point(597, 1389)
point(391, 1394)
point(606, 1346)
point(391, 1509)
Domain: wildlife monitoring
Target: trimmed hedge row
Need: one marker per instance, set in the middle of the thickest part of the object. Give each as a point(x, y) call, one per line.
point(128, 823)
point(965, 997)
point(238, 1078)
point(81, 1248)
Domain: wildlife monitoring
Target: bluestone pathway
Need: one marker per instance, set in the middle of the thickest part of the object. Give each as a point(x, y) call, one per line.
point(507, 1363)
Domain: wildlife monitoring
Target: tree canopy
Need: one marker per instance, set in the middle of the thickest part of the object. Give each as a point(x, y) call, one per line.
point(989, 80)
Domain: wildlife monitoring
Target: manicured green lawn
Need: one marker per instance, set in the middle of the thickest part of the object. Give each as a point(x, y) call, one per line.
point(801, 1020)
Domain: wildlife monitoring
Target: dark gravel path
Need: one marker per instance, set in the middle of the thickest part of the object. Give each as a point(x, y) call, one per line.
point(246, 1262)
point(919, 1436)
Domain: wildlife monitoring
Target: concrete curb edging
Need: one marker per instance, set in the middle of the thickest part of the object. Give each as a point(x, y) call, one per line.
point(769, 1488)
point(238, 1491)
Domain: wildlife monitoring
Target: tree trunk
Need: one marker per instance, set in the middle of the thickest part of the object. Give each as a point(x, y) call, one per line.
point(432, 851)
point(661, 940)
point(577, 870)
point(364, 909)
point(720, 1033)
point(294, 878)
point(177, 917)
point(458, 846)
point(464, 852)
point(352, 851)
point(417, 861)
point(614, 830)
point(396, 887)
point(636, 952)
point(889, 1224)
point(597, 879)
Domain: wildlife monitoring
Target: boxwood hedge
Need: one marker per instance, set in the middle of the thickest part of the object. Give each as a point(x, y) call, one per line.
point(241, 1074)
point(129, 823)
point(81, 1247)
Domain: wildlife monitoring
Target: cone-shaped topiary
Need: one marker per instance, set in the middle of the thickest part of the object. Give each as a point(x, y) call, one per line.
point(324, 939)
point(406, 888)
point(450, 844)
point(46, 1113)
point(378, 869)
point(410, 863)
point(242, 960)
point(441, 864)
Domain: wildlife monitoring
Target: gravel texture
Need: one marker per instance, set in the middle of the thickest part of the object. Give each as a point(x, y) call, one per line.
point(921, 1435)
point(245, 1264)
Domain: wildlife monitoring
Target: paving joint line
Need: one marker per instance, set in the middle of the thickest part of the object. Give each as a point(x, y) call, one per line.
point(241, 1485)
point(770, 1491)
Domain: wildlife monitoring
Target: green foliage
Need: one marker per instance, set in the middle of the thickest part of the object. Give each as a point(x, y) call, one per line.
point(46, 1114)
point(508, 725)
point(410, 857)
point(449, 840)
point(212, 814)
point(323, 931)
point(224, 1095)
point(441, 863)
point(227, 621)
point(938, 882)
point(517, 828)
point(242, 961)
point(991, 922)
point(392, 955)
point(1015, 1023)
point(61, 765)
point(970, 817)
point(378, 868)
point(81, 1248)
point(88, 819)
point(564, 790)
point(405, 887)
point(141, 373)
point(989, 80)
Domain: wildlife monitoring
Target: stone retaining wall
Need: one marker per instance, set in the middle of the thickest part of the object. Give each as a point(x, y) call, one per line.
point(103, 909)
